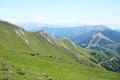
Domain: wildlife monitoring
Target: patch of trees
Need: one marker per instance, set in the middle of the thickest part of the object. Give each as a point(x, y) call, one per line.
point(118, 49)
point(97, 58)
point(113, 65)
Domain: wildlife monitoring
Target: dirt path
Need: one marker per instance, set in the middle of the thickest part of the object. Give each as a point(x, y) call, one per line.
point(107, 60)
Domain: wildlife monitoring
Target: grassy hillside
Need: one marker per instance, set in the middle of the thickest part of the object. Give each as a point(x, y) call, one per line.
point(85, 56)
point(22, 66)
point(88, 56)
point(37, 56)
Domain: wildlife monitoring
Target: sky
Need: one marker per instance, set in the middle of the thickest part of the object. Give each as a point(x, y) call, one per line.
point(62, 12)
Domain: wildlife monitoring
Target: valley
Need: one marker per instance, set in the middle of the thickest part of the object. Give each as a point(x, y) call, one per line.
point(37, 55)
point(59, 40)
point(96, 37)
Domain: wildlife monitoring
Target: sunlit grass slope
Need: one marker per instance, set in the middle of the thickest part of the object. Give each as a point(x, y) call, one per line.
point(31, 56)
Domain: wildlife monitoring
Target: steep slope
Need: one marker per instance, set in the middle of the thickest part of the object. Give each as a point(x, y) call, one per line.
point(108, 42)
point(110, 34)
point(81, 53)
point(17, 39)
point(12, 37)
point(85, 56)
point(38, 56)
point(36, 42)
point(97, 37)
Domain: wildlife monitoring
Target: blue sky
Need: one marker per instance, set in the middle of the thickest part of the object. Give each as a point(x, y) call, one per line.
point(62, 12)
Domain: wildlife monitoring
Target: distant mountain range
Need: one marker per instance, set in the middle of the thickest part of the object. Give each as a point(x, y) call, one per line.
point(38, 55)
point(35, 26)
point(97, 37)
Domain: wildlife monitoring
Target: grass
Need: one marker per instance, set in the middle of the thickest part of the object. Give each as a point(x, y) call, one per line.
point(27, 67)
point(52, 60)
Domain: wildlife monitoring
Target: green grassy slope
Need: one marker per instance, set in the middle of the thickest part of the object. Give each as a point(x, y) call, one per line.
point(90, 55)
point(22, 66)
point(9, 40)
point(30, 56)
point(14, 39)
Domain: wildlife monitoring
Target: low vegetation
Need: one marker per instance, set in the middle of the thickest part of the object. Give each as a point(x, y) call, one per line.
point(39, 59)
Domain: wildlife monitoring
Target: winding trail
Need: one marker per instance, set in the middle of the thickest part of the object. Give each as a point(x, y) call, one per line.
point(107, 60)
point(98, 36)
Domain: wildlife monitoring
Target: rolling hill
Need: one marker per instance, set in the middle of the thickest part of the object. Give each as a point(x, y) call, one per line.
point(39, 56)
point(98, 37)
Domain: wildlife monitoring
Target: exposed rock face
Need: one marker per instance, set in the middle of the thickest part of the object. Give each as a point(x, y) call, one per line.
point(21, 34)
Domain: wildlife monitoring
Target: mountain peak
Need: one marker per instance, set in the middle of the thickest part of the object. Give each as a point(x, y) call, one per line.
point(95, 27)
point(101, 27)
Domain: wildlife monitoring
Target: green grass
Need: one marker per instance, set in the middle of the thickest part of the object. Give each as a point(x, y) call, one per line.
point(32, 67)
point(53, 60)
point(97, 56)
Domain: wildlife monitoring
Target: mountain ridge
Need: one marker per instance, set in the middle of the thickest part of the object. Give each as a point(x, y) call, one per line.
point(98, 37)
point(42, 53)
